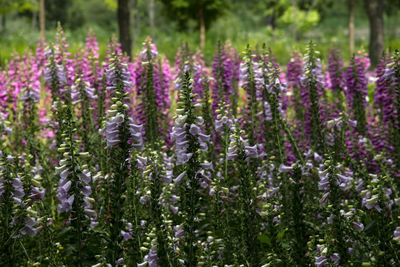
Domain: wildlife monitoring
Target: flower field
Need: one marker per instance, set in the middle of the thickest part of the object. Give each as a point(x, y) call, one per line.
point(236, 162)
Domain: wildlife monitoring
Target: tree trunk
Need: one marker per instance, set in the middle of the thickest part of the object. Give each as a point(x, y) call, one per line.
point(34, 20)
point(124, 26)
point(151, 18)
point(294, 25)
point(138, 20)
point(376, 34)
point(42, 21)
point(133, 21)
point(351, 26)
point(3, 25)
point(202, 28)
point(270, 20)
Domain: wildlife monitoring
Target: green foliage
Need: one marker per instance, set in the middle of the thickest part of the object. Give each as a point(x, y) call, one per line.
point(241, 22)
point(304, 20)
point(186, 10)
point(28, 5)
point(56, 12)
point(7, 6)
point(111, 4)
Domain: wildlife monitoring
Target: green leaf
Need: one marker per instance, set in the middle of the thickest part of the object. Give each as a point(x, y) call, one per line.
point(369, 225)
point(111, 4)
point(180, 3)
point(281, 234)
point(264, 239)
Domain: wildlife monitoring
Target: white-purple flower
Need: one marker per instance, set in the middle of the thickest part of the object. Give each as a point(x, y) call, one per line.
point(396, 234)
point(112, 130)
point(136, 131)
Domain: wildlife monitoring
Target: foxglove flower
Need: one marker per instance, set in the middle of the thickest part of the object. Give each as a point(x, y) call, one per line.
point(112, 130)
point(312, 86)
point(136, 131)
point(336, 78)
point(335, 67)
point(294, 72)
point(82, 88)
point(152, 82)
point(223, 74)
point(396, 235)
point(356, 92)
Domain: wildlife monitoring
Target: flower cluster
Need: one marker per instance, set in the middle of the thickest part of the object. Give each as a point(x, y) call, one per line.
point(255, 168)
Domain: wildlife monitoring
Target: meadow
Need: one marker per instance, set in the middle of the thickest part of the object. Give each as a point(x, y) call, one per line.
point(107, 160)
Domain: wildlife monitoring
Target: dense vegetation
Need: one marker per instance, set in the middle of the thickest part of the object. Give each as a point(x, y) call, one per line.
point(116, 161)
point(285, 28)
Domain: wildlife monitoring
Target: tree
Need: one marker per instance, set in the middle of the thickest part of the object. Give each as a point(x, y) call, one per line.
point(123, 14)
point(351, 26)
point(204, 12)
point(151, 18)
point(298, 16)
point(133, 21)
point(375, 10)
point(42, 20)
point(56, 11)
point(6, 6)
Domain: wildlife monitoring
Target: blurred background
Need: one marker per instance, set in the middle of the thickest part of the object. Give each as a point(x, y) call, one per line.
point(284, 25)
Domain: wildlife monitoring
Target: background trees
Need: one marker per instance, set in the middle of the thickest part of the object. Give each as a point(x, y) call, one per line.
point(282, 24)
point(203, 12)
point(376, 30)
point(124, 26)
